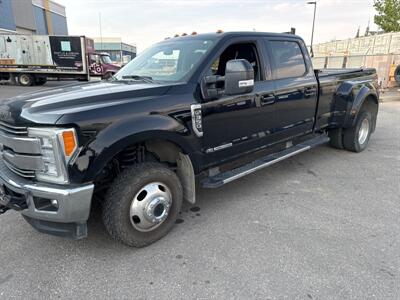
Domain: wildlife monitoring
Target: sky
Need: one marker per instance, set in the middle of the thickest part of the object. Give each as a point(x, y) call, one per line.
point(144, 22)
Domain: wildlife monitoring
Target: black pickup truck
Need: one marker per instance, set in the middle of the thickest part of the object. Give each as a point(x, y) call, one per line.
point(201, 109)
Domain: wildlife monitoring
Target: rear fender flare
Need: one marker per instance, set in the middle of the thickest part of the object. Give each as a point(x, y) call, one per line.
point(366, 91)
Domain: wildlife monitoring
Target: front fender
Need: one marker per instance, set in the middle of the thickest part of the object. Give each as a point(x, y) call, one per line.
point(359, 94)
point(119, 135)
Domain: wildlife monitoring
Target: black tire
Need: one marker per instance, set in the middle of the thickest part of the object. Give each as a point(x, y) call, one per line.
point(25, 79)
point(107, 76)
point(351, 135)
point(397, 75)
point(40, 81)
point(336, 138)
point(118, 200)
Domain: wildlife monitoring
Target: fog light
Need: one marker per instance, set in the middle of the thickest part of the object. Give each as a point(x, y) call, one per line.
point(54, 203)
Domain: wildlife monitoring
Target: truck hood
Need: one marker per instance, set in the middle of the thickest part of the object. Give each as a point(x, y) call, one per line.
point(48, 106)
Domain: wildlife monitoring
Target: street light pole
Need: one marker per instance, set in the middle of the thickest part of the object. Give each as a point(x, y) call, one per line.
point(101, 33)
point(313, 26)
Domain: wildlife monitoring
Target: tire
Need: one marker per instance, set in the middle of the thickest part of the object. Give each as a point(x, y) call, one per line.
point(25, 79)
point(355, 138)
point(397, 75)
point(336, 138)
point(107, 76)
point(120, 207)
point(40, 81)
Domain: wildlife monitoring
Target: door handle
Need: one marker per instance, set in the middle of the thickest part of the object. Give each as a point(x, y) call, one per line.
point(267, 99)
point(310, 91)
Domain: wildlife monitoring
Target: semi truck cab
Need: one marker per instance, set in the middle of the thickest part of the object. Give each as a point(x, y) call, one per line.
point(100, 64)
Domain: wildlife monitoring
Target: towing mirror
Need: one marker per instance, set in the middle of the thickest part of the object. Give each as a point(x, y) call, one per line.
point(239, 77)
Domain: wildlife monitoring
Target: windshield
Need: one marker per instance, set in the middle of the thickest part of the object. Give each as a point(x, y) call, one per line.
point(106, 59)
point(167, 61)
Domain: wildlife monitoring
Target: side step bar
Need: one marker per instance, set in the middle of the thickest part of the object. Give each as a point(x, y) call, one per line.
point(231, 175)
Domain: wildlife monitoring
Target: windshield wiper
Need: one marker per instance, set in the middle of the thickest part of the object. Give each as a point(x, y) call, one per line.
point(147, 79)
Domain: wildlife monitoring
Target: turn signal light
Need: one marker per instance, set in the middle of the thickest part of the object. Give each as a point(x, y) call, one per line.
point(69, 142)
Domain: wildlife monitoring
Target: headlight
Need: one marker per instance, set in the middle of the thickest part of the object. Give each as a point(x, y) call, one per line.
point(58, 147)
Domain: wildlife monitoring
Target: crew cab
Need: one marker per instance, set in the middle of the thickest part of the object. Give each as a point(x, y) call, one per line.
point(198, 110)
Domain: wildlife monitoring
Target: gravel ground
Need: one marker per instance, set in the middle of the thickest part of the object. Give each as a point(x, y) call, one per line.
point(321, 225)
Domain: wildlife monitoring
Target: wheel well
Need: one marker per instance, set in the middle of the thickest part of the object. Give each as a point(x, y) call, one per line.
point(371, 105)
point(146, 151)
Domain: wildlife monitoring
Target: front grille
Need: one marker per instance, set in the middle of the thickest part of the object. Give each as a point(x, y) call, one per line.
point(17, 130)
point(20, 172)
point(19, 152)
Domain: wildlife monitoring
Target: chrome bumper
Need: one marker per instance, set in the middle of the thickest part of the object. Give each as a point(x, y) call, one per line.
point(73, 201)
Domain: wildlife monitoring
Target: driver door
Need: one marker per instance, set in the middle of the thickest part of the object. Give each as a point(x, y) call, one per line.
point(237, 124)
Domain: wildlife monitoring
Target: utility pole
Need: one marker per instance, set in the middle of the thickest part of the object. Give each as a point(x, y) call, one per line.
point(101, 34)
point(313, 26)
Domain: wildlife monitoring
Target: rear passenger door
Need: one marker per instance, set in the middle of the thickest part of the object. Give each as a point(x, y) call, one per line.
point(295, 87)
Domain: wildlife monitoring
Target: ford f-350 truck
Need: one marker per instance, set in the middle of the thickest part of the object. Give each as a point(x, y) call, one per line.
point(200, 110)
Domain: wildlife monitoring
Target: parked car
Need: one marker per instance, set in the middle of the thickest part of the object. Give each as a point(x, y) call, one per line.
point(201, 110)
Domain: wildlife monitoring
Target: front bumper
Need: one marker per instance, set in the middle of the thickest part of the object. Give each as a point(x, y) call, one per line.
point(67, 218)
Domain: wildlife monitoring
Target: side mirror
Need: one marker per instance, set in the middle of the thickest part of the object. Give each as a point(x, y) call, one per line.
point(239, 77)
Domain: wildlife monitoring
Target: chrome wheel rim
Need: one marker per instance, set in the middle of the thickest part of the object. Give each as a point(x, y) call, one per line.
point(23, 79)
point(150, 206)
point(363, 132)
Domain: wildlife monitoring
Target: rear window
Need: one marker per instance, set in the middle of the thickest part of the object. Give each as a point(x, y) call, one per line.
point(288, 58)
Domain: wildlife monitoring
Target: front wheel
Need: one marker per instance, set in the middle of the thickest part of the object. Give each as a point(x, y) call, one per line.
point(107, 76)
point(142, 204)
point(356, 138)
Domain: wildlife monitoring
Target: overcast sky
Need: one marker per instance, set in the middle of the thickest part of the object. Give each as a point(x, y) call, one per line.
point(143, 22)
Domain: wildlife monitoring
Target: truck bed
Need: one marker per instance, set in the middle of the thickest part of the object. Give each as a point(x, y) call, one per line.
point(340, 72)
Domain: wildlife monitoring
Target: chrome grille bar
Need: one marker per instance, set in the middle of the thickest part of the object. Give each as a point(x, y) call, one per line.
point(13, 129)
point(20, 154)
point(20, 161)
point(20, 144)
point(22, 173)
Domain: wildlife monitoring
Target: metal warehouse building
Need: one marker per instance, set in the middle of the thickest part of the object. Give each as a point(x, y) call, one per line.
point(32, 17)
point(119, 52)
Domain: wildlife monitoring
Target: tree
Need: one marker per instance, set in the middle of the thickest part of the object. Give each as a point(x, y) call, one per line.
point(388, 17)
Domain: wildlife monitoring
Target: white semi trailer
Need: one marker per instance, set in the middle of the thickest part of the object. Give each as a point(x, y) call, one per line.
point(32, 59)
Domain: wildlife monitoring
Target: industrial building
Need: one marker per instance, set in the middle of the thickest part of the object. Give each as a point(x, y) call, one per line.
point(120, 52)
point(33, 17)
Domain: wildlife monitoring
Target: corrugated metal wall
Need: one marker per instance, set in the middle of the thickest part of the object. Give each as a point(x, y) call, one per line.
point(23, 13)
point(388, 43)
point(40, 17)
point(59, 24)
point(382, 64)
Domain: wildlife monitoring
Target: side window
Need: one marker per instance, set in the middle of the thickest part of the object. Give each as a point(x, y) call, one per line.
point(288, 58)
point(237, 51)
point(94, 58)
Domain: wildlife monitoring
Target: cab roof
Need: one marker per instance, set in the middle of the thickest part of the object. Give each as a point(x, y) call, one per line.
point(217, 35)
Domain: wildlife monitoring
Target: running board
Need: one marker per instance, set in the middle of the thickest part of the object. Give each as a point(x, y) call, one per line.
point(231, 175)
